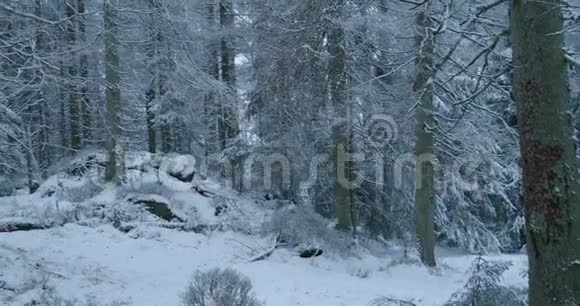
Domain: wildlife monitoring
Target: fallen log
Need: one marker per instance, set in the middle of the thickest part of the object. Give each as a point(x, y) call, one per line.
point(269, 252)
point(179, 226)
point(8, 226)
point(203, 192)
point(263, 256)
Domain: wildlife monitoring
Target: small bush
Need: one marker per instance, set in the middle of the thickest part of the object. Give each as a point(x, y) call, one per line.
point(6, 187)
point(483, 287)
point(299, 225)
point(388, 301)
point(220, 287)
point(50, 297)
point(361, 273)
point(81, 193)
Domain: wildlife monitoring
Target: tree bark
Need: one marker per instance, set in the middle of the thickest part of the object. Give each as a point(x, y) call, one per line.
point(228, 122)
point(62, 110)
point(424, 153)
point(150, 114)
point(73, 101)
point(228, 126)
point(113, 93)
point(84, 75)
point(42, 107)
point(341, 128)
point(212, 68)
point(550, 183)
point(151, 94)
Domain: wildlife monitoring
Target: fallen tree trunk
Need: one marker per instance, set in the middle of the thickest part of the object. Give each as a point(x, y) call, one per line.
point(179, 226)
point(203, 192)
point(19, 226)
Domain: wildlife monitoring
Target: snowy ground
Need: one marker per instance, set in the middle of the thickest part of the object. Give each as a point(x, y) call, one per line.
point(155, 268)
point(152, 265)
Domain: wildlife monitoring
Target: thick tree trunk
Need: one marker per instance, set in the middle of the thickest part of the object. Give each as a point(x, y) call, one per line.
point(424, 179)
point(30, 169)
point(113, 93)
point(166, 137)
point(163, 68)
point(212, 68)
point(341, 128)
point(73, 101)
point(151, 133)
point(227, 45)
point(151, 94)
point(62, 111)
point(42, 107)
point(84, 75)
point(548, 155)
point(227, 125)
point(228, 120)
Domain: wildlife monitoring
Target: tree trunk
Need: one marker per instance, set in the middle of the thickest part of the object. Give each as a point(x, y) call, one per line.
point(424, 179)
point(151, 133)
point(42, 106)
point(162, 71)
point(73, 102)
point(166, 137)
point(227, 48)
point(151, 94)
point(84, 75)
point(341, 128)
point(227, 119)
point(113, 93)
point(62, 111)
point(548, 155)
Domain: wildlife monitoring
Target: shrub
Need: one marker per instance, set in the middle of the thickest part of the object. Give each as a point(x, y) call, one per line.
point(220, 287)
point(6, 187)
point(483, 287)
point(77, 194)
point(50, 297)
point(388, 301)
point(298, 225)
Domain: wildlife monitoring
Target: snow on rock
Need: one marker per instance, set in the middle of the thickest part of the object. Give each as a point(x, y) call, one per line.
point(156, 205)
point(181, 167)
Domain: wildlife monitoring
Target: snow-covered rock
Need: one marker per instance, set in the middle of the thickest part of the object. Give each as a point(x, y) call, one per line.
point(181, 167)
point(155, 205)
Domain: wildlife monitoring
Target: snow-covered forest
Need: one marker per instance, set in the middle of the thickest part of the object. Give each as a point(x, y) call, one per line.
point(280, 152)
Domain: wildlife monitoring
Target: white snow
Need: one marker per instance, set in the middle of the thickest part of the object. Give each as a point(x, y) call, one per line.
point(151, 265)
point(155, 268)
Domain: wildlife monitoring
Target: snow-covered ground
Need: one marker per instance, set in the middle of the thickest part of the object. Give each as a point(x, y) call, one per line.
point(151, 265)
point(155, 267)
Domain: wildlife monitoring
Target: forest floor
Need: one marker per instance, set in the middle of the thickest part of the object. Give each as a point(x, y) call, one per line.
point(87, 261)
point(155, 269)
